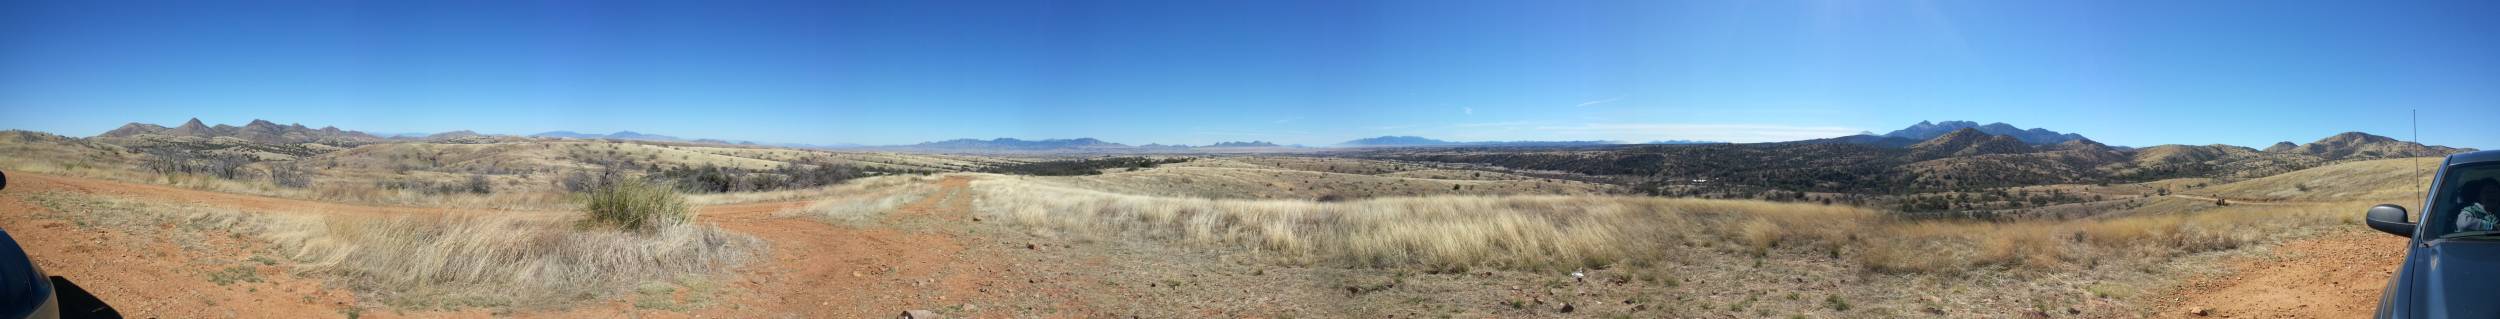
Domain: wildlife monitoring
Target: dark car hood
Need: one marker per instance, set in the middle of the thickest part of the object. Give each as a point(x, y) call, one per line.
point(2461, 278)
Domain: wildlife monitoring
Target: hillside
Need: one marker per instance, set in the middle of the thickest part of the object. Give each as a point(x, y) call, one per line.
point(2364, 145)
point(2035, 136)
point(1967, 142)
point(2393, 180)
point(1960, 159)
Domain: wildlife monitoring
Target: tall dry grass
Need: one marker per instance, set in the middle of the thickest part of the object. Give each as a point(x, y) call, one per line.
point(635, 204)
point(445, 261)
point(502, 261)
point(1563, 232)
point(1950, 246)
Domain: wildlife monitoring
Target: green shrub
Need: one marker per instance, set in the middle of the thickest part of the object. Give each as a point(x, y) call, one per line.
point(635, 204)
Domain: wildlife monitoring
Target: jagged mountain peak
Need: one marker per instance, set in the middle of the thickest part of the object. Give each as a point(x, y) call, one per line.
point(258, 130)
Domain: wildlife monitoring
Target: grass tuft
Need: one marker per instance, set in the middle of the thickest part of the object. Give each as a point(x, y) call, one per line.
point(634, 204)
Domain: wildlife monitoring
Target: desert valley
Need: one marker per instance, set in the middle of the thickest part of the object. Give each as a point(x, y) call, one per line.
point(1939, 219)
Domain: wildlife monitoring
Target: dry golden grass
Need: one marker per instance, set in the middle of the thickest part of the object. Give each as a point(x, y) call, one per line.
point(502, 261)
point(1440, 232)
point(447, 261)
point(1955, 246)
point(1562, 232)
point(2375, 179)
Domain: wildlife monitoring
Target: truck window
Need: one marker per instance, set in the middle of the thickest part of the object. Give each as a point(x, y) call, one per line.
point(2468, 199)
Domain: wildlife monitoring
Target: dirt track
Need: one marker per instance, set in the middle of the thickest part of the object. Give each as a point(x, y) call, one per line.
point(821, 270)
point(2332, 276)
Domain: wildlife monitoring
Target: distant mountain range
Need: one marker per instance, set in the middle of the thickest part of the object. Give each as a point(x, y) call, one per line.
point(1411, 141)
point(1966, 138)
point(1244, 144)
point(258, 131)
point(1072, 145)
point(1925, 140)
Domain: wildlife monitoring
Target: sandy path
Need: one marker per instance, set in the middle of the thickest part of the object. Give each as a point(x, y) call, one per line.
point(2332, 276)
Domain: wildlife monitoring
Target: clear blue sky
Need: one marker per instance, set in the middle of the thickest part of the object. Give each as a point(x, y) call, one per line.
point(1320, 72)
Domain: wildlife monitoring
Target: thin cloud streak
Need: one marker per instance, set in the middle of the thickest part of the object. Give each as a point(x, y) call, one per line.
point(1612, 100)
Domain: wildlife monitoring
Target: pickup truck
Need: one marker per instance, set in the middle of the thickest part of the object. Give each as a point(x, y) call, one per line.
point(2452, 263)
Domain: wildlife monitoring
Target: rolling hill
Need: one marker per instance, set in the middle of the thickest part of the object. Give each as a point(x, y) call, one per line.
point(2036, 136)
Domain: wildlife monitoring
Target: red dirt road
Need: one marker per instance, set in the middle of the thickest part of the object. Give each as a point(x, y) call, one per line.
point(2332, 276)
point(822, 270)
point(154, 275)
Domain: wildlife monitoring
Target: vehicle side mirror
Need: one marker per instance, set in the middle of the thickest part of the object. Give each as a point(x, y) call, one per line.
point(4, 181)
point(2389, 218)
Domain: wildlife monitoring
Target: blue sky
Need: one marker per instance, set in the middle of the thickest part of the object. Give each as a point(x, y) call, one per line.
point(1317, 72)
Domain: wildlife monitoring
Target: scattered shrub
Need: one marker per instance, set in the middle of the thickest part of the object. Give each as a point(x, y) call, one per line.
point(635, 204)
point(290, 176)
